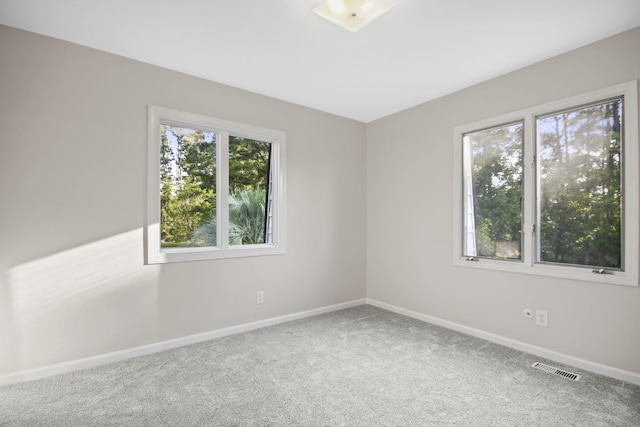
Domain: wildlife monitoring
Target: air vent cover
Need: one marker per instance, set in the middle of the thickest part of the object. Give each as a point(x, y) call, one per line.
point(556, 371)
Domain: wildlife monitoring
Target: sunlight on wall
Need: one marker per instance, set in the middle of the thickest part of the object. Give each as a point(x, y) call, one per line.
point(40, 285)
point(84, 300)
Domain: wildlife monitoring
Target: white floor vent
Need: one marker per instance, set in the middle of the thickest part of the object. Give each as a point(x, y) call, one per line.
point(556, 371)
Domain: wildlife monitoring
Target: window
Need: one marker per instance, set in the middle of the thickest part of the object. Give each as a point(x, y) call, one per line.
point(552, 190)
point(493, 191)
point(579, 185)
point(215, 188)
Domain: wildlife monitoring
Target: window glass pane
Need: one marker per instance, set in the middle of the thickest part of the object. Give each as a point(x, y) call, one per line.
point(493, 192)
point(249, 195)
point(188, 187)
point(580, 204)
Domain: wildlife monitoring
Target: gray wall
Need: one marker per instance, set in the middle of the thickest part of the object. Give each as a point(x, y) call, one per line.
point(72, 192)
point(410, 210)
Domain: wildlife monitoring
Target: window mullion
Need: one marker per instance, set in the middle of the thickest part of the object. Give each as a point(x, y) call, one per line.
point(529, 194)
point(222, 190)
point(276, 194)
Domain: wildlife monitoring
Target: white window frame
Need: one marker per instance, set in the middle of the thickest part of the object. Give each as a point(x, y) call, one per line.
point(630, 188)
point(155, 254)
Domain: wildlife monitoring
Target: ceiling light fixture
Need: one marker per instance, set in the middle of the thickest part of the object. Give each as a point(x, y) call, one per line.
point(353, 15)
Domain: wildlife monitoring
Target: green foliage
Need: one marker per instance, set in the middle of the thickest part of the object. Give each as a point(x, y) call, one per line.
point(247, 217)
point(207, 233)
point(188, 191)
point(497, 188)
point(184, 213)
point(581, 186)
point(248, 164)
point(188, 188)
point(246, 220)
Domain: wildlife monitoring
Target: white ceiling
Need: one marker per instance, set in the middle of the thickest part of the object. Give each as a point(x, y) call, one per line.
point(420, 50)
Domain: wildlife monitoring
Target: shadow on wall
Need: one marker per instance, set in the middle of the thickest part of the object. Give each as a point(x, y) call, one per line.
point(87, 300)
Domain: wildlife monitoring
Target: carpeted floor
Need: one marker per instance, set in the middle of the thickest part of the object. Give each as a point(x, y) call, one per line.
point(362, 366)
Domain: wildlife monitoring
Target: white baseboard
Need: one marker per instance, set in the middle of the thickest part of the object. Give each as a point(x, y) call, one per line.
point(116, 356)
point(587, 365)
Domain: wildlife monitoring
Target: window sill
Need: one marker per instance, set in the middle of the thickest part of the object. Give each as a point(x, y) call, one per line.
point(169, 255)
point(556, 271)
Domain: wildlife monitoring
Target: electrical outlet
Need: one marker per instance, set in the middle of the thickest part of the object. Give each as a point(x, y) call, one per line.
point(260, 297)
point(542, 318)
